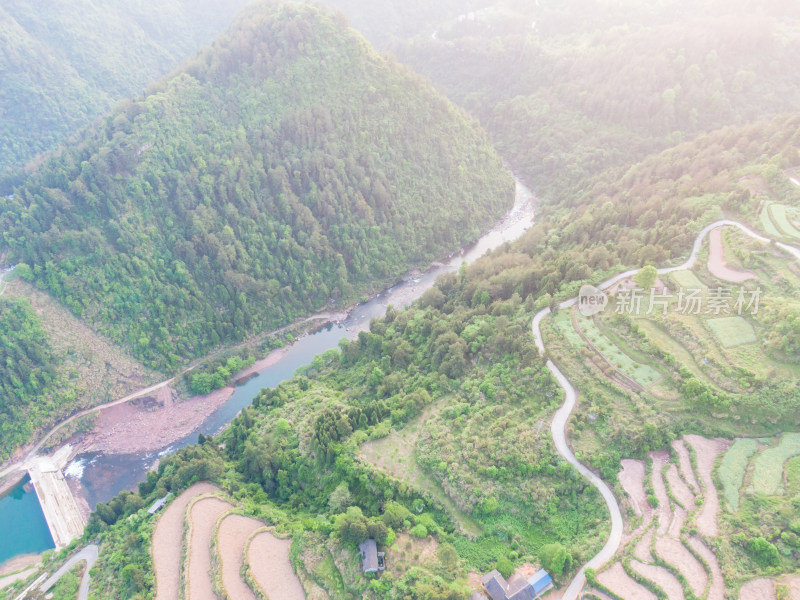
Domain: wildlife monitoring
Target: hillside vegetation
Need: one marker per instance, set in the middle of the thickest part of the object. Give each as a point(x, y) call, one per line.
point(70, 63)
point(585, 86)
point(284, 168)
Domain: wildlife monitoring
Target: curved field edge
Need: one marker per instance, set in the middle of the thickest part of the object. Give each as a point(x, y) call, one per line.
point(189, 527)
point(221, 555)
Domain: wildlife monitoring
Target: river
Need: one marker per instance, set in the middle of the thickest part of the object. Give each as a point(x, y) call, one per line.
point(104, 476)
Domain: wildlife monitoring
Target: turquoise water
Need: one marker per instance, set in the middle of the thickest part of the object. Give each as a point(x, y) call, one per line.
point(23, 529)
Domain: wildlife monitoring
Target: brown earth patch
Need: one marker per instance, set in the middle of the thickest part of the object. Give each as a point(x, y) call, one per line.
point(642, 549)
point(677, 555)
point(679, 488)
point(234, 531)
point(758, 589)
point(268, 558)
point(707, 452)
point(662, 578)
point(718, 266)
point(632, 477)
point(202, 517)
point(661, 458)
point(619, 582)
point(685, 463)
point(167, 544)
point(717, 589)
point(678, 519)
point(128, 429)
point(18, 563)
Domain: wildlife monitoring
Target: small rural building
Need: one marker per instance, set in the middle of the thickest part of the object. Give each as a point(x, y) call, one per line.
point(541, 582)
point(159, 504)
point(519, 588)
point(372, 560)
point(495, 584)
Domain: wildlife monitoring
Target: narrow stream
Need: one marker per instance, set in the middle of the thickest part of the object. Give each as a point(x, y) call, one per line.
point(103, 476)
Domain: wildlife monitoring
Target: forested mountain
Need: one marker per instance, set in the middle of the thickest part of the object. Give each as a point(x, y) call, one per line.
point(27, 371)
point(458, 373)
point(569, 89)
point(64, 63)
point(284, 167)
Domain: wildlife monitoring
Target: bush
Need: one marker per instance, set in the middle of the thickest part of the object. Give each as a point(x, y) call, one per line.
point(764, 552)
point(419, 531)
point(555, 558)
point(505, 567)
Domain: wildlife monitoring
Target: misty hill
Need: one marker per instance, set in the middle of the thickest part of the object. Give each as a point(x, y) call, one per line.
point(285, 166)
point(570, 89)
point(64, 64)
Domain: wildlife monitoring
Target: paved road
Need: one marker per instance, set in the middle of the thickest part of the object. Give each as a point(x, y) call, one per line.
point(88, 554)
point(561, 418)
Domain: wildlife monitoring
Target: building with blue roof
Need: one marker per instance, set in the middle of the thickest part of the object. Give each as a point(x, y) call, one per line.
point(517, 588)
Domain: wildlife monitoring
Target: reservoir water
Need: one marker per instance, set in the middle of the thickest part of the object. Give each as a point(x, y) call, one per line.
point(24, 529)
point(104, 476)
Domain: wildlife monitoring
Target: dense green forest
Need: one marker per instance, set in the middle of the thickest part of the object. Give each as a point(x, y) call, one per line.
point(27, 372)
point(64, 66)
point(461, 364)
point(286, 167)
point(601, 111)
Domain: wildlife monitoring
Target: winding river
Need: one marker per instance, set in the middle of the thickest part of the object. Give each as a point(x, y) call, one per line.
point(103, 476)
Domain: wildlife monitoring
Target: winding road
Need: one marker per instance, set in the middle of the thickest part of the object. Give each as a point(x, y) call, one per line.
point(88, 554)
point(559, 424)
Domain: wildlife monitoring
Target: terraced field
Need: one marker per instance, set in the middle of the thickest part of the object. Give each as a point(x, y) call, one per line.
point(200, 538)
point(672, 552)
point(643, 374)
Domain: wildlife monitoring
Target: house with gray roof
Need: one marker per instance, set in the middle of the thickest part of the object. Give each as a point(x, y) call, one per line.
point(159, 504)
point(518, 588)
point(372, 560)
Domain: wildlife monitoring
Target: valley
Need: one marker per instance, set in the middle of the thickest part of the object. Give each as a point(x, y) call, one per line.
point(365, 391)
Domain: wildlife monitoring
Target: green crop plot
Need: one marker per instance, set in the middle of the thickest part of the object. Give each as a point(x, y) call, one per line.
point(781, 218)
point(732, 331)
point(793, 476)
point(733, 467)
point(563, 326)
point(644, 375)
point(687, 280)
point(768, 465)
point(767, 224)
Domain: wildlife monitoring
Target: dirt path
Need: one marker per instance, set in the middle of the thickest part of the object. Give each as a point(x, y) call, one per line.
point(717, 589)
point(707, 452)
point(662, 578)
point(202, 517)
point(619, 582)
point(268, 558)
point(718, 266)
point(167, 544)
point(234, 531)
point(19, 576)
point(758, 589)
